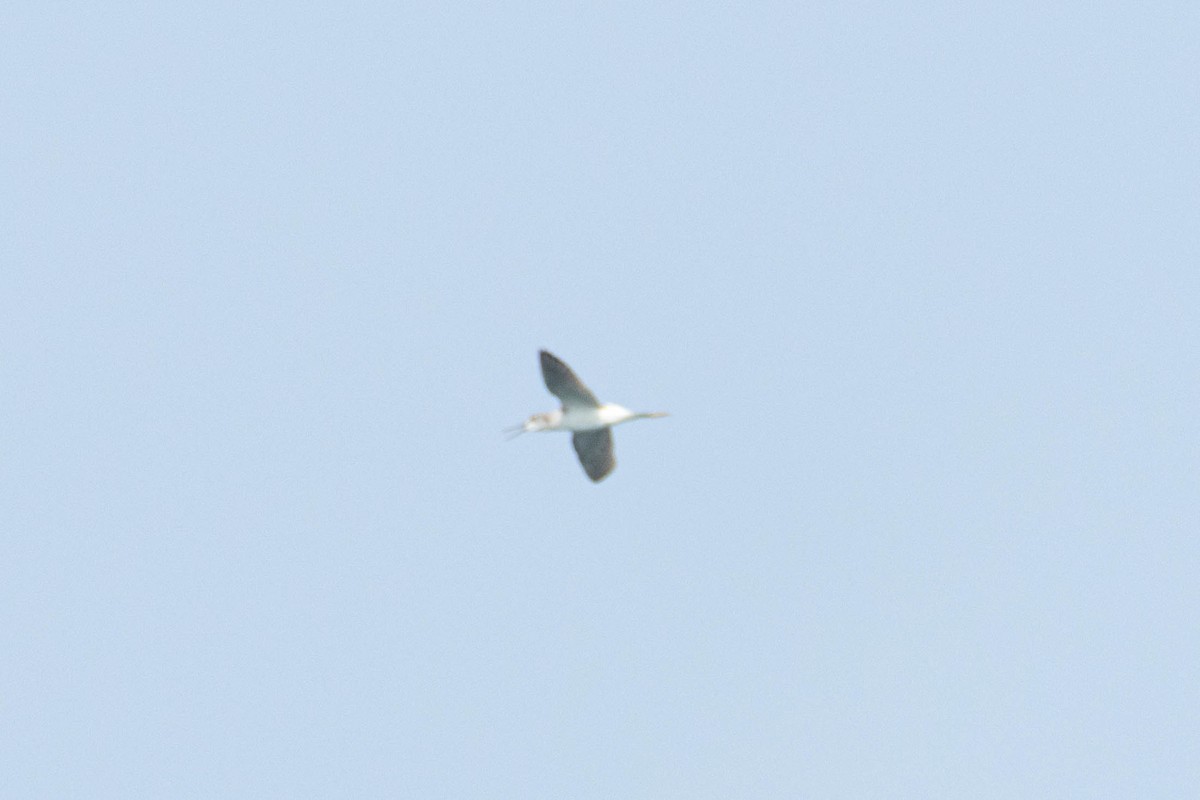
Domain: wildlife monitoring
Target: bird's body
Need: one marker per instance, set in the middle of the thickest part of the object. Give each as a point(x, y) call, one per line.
point(586, 417)
point(582, 418)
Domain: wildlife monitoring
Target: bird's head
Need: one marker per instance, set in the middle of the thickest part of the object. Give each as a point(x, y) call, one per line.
point(538, 422)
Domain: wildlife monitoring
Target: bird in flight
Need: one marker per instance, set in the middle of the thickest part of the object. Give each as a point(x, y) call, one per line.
point(589, 420)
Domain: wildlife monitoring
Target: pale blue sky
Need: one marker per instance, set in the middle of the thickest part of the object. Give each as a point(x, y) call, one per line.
point(920, 286)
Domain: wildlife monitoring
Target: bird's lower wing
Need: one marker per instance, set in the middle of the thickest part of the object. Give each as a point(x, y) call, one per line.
point(595, 450)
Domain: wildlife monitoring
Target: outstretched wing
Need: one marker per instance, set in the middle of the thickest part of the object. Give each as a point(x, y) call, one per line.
point(564, 385)
point(595, 450)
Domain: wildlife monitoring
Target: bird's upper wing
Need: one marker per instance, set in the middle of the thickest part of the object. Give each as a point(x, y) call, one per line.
point(595, 450)
point(563, 384)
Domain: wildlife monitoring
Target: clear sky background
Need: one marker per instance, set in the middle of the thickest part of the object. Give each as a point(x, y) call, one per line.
point(919, 284)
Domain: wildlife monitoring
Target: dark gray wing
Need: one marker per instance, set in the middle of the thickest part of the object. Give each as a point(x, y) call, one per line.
point(595, 449)
point(563, 384)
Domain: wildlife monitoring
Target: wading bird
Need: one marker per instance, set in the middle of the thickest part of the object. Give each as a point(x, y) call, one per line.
point(587, 418)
